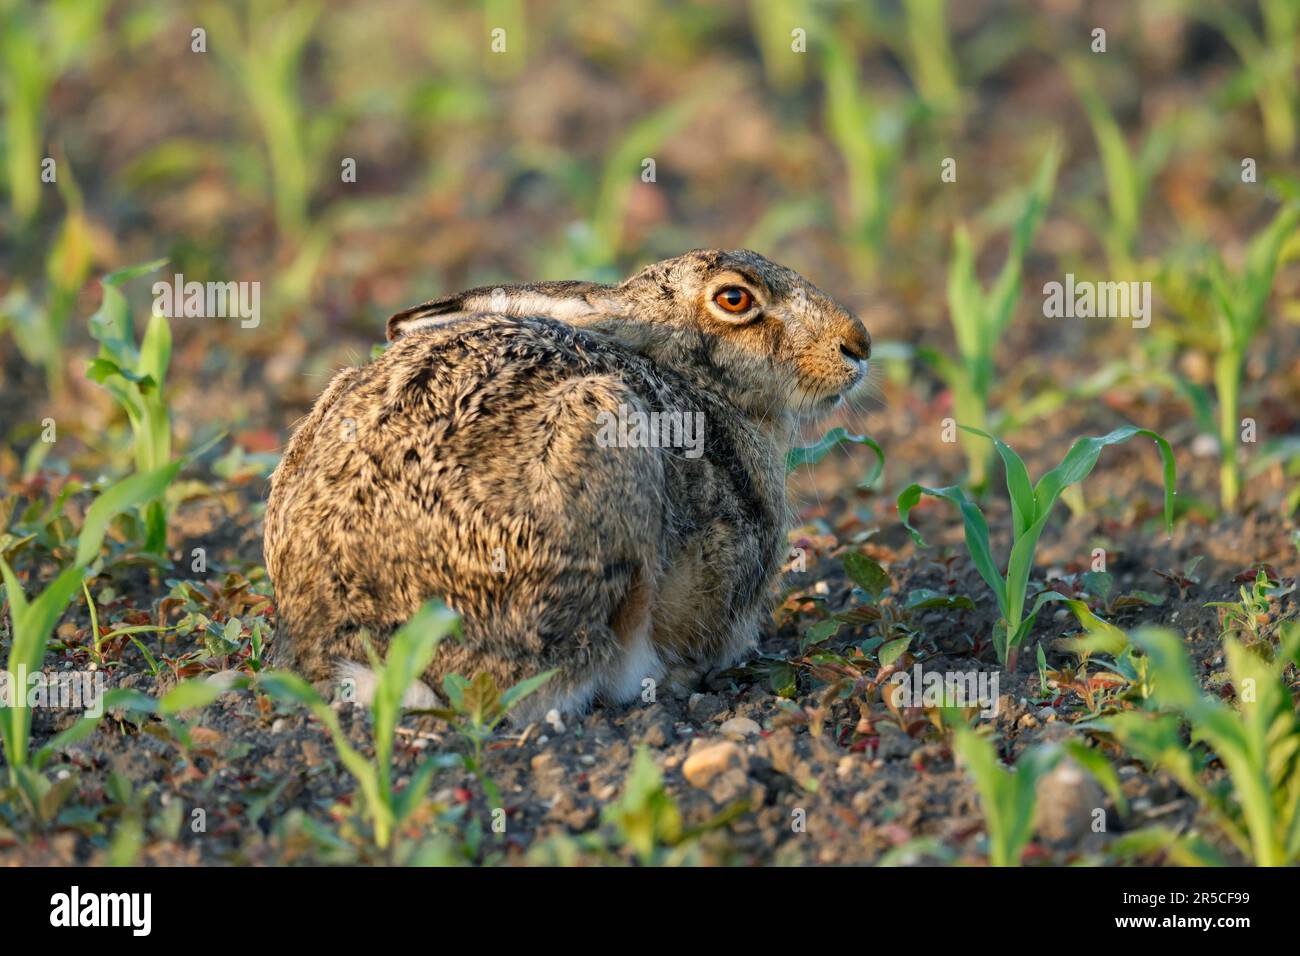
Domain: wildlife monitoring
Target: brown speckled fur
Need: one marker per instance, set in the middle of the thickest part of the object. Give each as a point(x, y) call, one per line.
point(473, 437)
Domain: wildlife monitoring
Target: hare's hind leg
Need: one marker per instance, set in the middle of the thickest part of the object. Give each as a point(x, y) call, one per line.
point(639, 662)
point(629, 660)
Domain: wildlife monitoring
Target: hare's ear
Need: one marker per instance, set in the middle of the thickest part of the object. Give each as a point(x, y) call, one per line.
point(565, 301)
point(423, 316)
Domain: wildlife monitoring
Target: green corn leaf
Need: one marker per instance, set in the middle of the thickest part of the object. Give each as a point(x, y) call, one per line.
point(1082, 457)
point(1007, 797)
point(523, 689)
point(977, 532)
point(1023, 507)
point(189, 695)
point(123, 495)
point(811, 454)
point(155, 352)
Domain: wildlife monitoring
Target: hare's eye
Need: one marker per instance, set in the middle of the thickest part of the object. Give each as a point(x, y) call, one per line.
point(734, 298)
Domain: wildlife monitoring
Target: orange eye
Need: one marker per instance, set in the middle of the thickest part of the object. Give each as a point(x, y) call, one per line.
point(734, 299)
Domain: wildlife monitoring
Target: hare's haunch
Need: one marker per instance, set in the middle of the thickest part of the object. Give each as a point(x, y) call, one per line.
point(592, 476)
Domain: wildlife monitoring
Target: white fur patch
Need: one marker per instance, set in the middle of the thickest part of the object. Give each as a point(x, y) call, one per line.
point(619, 684)
point(365, 682)
point(623, 682)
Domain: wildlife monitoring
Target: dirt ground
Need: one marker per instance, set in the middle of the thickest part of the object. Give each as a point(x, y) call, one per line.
point(793, 779)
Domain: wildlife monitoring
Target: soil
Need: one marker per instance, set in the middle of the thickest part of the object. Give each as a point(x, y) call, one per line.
point(807, 781)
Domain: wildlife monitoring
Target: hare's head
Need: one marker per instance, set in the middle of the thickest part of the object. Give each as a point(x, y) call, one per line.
point(769, 338)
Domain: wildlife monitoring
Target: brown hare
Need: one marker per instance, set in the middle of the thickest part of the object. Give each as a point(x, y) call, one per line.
point(592, 476)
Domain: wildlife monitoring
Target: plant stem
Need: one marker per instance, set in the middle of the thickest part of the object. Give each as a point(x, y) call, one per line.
point(1227, 379)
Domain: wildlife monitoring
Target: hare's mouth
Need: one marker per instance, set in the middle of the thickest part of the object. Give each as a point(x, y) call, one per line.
point(816, 400)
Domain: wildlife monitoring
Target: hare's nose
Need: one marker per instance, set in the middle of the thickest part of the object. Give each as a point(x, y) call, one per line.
point(857, 345)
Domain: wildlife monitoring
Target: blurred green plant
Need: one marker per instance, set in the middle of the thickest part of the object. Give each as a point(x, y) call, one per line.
point(645, 817)
point(811, 454)
point(1009, 796)
point(1240, 300)
point(869, 134)
point(39, 329)
point(32, 621)
point(980, 316)
point(1270, 61)
point(1258, 742)
point(264, 56)
point(1031, 506)
point(618, 176)
point(135, 375)
point(1284, 455)
point(774, 23)
point(39, 42)
point(410, 650)
point(1128, 173)
point(930, 55)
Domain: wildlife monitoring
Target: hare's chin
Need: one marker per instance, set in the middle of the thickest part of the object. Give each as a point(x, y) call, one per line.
point(810, 405)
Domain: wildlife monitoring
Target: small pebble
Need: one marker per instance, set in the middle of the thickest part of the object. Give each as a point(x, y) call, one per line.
point(707, 762)
point(740, 727)
point(553, 718)
point(1205, 446)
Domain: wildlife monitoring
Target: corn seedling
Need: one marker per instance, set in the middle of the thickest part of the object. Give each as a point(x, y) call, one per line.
point(979, 316)
point(32, 621)
point(811, 454)
point(1270, 62)
point(38, 328)
point(930, 57)
point(643, 139)
point(410, 650)
point(1008, 796)
point(135, 375)
point(772, 23)
point(1031, 506)
point(1128, 174)
point(870, 136)
point(264, 56)
point(1240, 301)
point(1257, 741)
point(38, 43)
